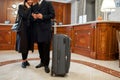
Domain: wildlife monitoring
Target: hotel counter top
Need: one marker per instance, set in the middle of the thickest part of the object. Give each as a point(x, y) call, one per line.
point(3, 24)
point(102, 21)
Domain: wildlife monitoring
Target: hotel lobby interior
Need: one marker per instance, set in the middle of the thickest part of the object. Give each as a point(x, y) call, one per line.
point(93, 29)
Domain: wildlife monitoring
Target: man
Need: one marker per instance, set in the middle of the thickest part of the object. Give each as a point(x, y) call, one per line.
point(42, 14)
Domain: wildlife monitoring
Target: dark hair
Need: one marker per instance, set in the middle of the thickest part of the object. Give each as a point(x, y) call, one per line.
point(25, 1)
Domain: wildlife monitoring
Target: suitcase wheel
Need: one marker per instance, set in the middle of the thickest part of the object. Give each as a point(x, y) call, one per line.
point(62, 75)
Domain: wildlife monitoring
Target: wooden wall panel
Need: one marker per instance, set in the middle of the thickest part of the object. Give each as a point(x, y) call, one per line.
point(62, 11)
point(58, 12)
point(10, 11)
point(3, 4)
point(67, 14)
point(10, 2)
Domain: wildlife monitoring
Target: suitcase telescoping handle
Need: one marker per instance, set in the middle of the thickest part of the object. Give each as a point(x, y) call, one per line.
point(55, 26)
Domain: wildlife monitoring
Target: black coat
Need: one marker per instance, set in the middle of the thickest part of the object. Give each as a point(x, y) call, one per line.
point(42, 27)
point(24, 38)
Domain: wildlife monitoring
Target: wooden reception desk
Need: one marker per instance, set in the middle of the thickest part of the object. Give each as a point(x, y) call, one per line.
point(95, 39)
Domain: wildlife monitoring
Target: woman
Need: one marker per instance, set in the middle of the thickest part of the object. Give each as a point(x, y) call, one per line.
point(23, 39)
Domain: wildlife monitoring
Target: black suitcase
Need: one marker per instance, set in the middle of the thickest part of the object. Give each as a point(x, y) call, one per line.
point(60, 55)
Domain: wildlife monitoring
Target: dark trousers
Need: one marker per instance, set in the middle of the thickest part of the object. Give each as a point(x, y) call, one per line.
point(44, 52)
point(24, 55)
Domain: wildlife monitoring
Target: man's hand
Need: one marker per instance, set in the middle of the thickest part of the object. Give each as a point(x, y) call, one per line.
point(34, 16)
point(39, 16)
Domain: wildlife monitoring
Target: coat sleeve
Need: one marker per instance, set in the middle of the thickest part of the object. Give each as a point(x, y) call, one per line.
point(51, 12)
point(24, 12)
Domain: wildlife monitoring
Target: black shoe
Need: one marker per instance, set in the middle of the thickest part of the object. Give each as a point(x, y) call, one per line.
point(27, 63)
point(47, 70)
point(39, 65)
point(23, 65)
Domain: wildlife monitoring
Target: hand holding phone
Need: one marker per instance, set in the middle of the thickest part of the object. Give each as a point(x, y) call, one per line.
point(27, 5)
point(39, 16)
point(34, 15)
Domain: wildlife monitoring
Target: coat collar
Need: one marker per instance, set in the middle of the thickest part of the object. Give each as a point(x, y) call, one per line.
point(38, 7)
point(40, 2)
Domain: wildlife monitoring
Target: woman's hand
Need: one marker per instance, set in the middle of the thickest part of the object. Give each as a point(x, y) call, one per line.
point(27, 5)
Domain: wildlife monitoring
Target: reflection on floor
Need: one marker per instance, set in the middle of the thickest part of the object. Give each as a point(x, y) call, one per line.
point(81, 68)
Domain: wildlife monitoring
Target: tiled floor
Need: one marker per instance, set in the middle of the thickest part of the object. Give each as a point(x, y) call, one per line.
point(81, 68)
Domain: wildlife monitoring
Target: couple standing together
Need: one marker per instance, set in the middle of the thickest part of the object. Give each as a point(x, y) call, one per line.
point(35, 28)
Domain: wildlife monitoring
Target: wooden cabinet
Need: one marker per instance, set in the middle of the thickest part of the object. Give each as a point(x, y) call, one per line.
point(7, 38)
